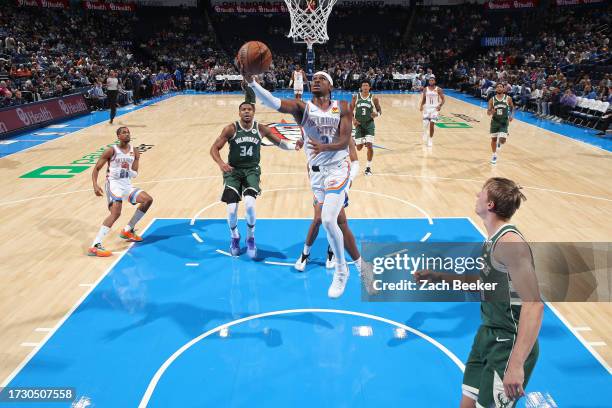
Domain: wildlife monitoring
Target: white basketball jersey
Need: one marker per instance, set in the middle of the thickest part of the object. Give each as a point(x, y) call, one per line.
point(298, 79)
point(322, 126)
point(120, 164)
point(432, 98)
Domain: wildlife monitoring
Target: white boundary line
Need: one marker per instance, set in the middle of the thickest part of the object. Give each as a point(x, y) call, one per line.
point(197, 237)
point(2, 203)
point(26, 344)
point(597, 343)
point(223, 253)
point(584, 343)
point(279, 263)
point(79, 128)
point(582, 328)
point(66, 316)
point(565, 322)
point(423, 239)
point(162, 369)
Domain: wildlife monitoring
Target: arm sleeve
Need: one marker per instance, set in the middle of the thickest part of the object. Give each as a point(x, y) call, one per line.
point(265, 96)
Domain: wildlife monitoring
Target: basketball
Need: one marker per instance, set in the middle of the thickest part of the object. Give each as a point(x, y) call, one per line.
point(255, 57)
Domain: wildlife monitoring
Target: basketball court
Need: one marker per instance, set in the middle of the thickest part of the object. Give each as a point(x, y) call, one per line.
point(175, 321)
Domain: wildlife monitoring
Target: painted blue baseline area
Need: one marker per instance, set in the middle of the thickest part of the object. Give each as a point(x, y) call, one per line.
point(152, 303)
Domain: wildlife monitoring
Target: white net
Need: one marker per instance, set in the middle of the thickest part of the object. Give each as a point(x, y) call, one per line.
point(309, 20)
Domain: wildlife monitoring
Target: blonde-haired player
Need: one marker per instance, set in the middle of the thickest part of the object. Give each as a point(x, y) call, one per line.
point(431, 103)
point(123, 163)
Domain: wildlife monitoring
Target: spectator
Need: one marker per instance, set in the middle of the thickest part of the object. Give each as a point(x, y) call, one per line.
point(568, 102)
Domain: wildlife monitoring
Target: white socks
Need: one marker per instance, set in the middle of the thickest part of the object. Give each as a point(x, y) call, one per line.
point(232, 219)
point(101, 234)
point(329, 215)
point(306, 250)
point(249, 202)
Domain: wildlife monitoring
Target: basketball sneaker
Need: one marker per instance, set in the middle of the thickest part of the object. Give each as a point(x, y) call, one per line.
point(235, 246)
point(494, 159)
point(368, 171)
point(338, 284)
point(130, 235)
point(98, 250)
point(251, 248)
point(430, 142)
point(330, 260)
point(300, 264)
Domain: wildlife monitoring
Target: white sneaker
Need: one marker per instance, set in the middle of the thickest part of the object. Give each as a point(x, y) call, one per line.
point(425, 136)
point(300, 264)
point(430, 142)
point(338, 284)
point(493, 159)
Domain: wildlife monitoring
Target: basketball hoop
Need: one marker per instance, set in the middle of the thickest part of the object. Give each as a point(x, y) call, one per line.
point(309, 20)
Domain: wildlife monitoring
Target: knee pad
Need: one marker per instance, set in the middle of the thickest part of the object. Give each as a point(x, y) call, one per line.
point(230, 196)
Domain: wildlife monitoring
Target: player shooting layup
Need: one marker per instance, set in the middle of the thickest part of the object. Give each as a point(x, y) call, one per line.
point(327, 131)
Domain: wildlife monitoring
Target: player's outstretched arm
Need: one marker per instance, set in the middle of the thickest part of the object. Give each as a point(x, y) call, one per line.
point(282, 143)
point(515, 254)
point(106, 156)
point(490, 108)
point(291, 106)
point(223, 138)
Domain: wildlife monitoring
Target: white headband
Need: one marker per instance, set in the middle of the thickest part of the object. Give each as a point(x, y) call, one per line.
point(326, 75)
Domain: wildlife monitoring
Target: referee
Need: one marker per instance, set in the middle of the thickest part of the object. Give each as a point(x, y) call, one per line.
point(112, 88)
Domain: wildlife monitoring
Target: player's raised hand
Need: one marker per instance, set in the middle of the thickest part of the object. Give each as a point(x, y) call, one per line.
point(226, 168)
point(98, 190)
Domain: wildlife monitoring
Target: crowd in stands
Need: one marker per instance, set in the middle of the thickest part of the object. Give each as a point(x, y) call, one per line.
point(565, 57)
point(551, 57)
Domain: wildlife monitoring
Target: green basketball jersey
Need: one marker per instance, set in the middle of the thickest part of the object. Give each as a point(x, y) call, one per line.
point(244, 147)
point(501, 109)
point(500, 309)
point(364, 108)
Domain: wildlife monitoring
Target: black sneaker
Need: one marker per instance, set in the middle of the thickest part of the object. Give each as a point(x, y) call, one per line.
point(368, 171)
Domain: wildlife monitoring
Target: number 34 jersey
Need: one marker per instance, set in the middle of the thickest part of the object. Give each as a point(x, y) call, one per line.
point(244, 147)
point(322, 126)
